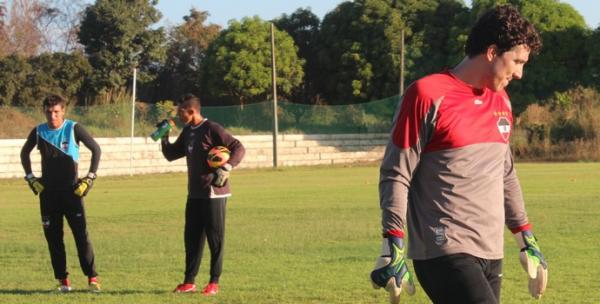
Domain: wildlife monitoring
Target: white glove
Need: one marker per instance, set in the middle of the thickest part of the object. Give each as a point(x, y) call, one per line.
point(391, 271)
point(221, 175)
point(533, 262)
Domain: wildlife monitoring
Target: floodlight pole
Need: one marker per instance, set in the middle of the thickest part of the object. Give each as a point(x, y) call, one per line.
point(132, 121)
point(274, 83)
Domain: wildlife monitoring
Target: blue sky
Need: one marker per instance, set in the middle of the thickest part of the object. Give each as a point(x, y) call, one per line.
point(221, 11)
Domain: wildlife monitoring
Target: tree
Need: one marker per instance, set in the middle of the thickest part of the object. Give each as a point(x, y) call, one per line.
point(26, 81)
point(62, 24)
point(3, 30)
point(592, 71)
point(21, 33)
point(238, 62)
point(437, 33)
point(186, 50)
point(14, 70)
point(55, 73)
point(359, 52)
point(303, 26)
point(34, 26)
point(546, 15)
point(116, 35)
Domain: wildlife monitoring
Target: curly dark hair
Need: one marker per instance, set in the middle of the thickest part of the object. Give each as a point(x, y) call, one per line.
point(504, 27)
point(53, 100)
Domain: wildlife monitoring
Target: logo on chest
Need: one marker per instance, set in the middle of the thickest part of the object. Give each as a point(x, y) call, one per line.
point(190, 145)
point(504, 127)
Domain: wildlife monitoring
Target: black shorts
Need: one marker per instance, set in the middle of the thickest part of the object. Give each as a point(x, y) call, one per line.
point(460, 278)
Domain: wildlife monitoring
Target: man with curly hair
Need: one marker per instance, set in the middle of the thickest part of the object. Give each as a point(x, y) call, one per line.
point(448, 174)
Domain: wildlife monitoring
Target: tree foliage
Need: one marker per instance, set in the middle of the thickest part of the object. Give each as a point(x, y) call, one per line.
point(14, 70)
point(117, 36)
point(437, 32)
point(186, 50)
point(351, 56)
point(26, 81)
point(359, 51)
point(21, 31)
point(592, 68)
point(303, 26)
point(238, 62)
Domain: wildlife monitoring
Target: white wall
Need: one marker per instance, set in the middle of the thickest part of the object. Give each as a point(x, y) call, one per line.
point(294, 150)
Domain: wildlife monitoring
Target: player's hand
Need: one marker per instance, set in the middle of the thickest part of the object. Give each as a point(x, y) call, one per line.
point(34, 183)
point(221, 175)
point(391, 271)
point(533, 262)
point(84, 185)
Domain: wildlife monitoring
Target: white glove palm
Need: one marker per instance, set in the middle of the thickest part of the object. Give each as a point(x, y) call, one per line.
point(533, 262)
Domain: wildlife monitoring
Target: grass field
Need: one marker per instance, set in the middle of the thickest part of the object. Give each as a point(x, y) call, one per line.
point(295, 235)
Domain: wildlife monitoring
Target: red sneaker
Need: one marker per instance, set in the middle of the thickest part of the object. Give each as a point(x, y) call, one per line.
point(185, 287)
point(211, 289)
point(94, 284)
point(64, 285)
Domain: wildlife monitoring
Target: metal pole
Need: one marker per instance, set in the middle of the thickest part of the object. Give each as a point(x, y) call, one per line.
point(274, 82)
point(132, 122)
point(402, 63)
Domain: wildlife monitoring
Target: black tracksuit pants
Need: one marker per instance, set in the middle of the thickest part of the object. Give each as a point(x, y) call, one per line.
point(54, 205)
point(204, 220)
point(460, 278)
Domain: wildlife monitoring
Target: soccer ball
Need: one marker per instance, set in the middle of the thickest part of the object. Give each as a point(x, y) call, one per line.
point(217, 156)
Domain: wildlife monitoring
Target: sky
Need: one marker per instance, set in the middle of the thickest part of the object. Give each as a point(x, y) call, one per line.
point(221, 11)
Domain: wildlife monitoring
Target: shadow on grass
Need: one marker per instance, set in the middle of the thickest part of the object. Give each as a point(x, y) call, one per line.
point(27, 292)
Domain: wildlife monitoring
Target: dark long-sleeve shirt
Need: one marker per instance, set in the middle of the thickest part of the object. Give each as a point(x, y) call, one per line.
point(59, 149)
point(194, 143)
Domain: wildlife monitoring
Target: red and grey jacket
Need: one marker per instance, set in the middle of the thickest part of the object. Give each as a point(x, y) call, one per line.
point(448, 172)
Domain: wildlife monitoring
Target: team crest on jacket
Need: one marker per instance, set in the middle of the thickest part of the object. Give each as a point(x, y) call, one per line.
point(440, 235)
point(504, 127)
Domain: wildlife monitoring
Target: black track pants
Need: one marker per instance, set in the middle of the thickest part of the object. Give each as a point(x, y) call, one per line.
point(460, 278)
point(54, 206)
point(204, 220)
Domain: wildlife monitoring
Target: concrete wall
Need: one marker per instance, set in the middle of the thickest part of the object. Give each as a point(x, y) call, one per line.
point(294, 150)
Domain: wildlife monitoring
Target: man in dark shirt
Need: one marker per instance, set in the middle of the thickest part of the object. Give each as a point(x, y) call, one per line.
point(208, 190)
point(61, 192)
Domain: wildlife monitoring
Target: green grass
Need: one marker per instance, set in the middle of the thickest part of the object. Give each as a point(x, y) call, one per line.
point(295, 235)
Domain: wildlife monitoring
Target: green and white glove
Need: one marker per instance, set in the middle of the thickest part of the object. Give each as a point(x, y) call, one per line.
point(533, 262)
point(221, 175)
point(84, 185)
point(34, 183)
point(391, 271)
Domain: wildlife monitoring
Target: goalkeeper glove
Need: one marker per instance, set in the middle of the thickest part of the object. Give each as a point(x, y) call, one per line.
point(84, 185)
point(221, 175)
point(533, 262)
point(391, 271)
point(34, 183)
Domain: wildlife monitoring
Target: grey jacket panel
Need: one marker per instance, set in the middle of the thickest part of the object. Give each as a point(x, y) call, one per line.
point(456, 203)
